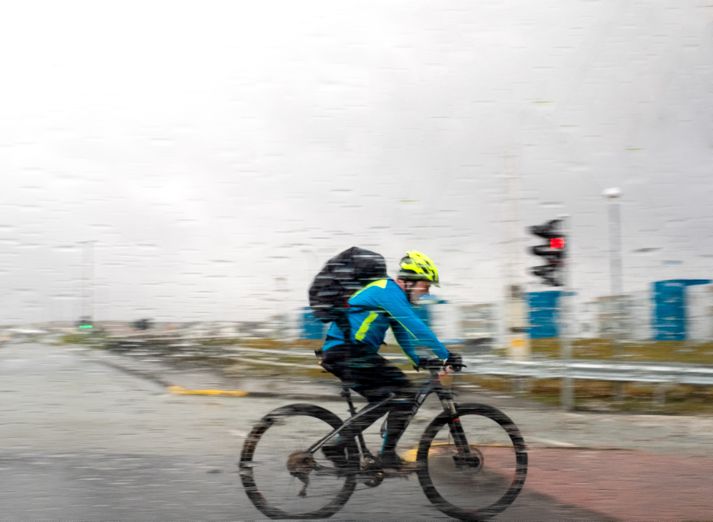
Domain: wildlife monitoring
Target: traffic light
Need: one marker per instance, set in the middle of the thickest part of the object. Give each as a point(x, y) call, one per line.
point(554, 252)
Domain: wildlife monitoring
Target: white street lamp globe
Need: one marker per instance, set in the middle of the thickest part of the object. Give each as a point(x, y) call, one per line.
point(612, 193)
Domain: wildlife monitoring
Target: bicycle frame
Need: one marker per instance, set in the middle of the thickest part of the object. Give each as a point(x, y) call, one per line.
point(434, 385)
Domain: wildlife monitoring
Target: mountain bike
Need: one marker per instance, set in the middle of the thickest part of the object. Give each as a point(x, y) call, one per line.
point(471, 460)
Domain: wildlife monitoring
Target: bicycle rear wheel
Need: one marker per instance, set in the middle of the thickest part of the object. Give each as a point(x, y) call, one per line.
point(478, 479)
point(281, 478)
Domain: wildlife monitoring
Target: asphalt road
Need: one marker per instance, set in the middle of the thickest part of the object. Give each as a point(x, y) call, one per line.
point(90, 435)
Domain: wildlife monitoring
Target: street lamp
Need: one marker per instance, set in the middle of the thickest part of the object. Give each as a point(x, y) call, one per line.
point(613, 195)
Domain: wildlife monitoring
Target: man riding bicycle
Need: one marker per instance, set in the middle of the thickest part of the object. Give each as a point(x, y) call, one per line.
point(354, 358)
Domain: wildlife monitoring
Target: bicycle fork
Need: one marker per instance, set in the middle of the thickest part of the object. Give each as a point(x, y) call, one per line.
point(465, 455)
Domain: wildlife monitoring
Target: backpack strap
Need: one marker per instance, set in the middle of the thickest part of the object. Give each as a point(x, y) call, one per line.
point(342, 321)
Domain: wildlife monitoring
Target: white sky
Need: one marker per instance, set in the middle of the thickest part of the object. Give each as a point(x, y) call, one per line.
point(210, 147)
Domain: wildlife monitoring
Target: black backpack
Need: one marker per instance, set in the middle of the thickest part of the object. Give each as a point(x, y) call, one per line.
point(343, 275)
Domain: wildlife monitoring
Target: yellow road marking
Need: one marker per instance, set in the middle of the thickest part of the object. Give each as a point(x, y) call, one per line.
point(180, 390)
point(410, 455)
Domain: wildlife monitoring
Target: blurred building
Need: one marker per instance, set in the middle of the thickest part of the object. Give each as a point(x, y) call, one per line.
point(699, 312)
point(586, 325)
point(624, 317)
point(478, 323)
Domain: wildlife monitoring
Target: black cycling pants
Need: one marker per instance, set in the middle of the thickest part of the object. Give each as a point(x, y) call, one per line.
point(375, 378)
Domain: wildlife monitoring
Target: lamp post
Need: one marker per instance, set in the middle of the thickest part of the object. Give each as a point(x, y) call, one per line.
point(613, 196)
point(516, 320)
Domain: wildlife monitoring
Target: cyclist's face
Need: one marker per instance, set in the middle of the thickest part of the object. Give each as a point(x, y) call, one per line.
point(419, 289)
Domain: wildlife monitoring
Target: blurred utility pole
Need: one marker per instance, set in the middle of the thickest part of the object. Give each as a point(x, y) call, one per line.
point(282, 314)
point(87, 288)
point(516, 321)
point(613, 196)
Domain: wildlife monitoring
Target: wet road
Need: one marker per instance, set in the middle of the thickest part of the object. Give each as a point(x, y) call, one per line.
point(90, 435)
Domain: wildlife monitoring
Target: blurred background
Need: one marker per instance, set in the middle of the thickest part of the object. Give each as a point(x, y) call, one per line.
point(194, 168)
point(174, 174)
point(201, 164)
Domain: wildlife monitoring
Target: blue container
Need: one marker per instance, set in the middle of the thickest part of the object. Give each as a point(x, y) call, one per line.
point(543, 314)
point(670, 308)
point(312, 328)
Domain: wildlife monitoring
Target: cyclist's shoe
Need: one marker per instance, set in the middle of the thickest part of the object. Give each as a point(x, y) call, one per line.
point(391, 461)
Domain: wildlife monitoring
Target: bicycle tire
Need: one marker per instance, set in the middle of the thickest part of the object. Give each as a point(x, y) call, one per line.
point(296, 417)
point(498, 450)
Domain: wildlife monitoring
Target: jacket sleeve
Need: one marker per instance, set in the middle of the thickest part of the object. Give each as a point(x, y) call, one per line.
point(410, 331)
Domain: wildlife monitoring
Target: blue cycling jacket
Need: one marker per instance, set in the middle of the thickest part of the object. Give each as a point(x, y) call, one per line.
point(375, 308)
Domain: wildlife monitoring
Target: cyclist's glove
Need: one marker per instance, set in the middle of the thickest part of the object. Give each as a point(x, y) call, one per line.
point(455, 361)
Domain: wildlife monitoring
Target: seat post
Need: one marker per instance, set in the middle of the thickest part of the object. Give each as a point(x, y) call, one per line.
point(347, 395)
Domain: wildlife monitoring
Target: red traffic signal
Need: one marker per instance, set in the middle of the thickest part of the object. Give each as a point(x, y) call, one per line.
point(557, 242)
point(553, 250)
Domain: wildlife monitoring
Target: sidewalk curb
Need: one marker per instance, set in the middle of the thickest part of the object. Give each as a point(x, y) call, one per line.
point(176, 389)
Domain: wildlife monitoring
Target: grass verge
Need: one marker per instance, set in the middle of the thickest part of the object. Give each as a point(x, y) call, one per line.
point(591, 395)
point(606, 349)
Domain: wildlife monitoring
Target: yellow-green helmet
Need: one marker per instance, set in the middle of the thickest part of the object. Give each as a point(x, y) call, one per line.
point(417, 266)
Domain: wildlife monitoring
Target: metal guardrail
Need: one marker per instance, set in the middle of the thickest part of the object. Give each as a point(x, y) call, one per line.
point(592, 370)
point(536, 368)
point(542, 368)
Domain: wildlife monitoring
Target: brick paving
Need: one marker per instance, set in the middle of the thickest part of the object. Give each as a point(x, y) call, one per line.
point(625, 484)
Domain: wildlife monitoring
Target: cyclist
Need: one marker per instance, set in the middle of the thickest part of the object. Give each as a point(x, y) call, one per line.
point(353, 355)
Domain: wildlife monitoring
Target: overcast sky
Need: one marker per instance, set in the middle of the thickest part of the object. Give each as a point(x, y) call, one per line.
point(209, 148)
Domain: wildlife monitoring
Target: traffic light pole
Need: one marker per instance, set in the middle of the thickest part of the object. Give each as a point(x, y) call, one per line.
point(565, 320)
point(557, 272)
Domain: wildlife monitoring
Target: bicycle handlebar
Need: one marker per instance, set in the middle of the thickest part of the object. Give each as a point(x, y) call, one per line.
point(436, 364)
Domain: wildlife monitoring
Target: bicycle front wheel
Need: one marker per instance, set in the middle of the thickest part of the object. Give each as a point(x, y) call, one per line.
point(472, 466)
point(284, 480)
